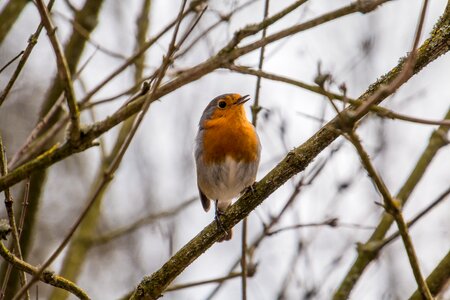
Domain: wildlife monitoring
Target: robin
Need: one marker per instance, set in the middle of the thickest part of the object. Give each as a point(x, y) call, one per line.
point(227, 153)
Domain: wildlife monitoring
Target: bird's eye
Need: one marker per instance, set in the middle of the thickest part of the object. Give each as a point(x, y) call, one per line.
point(222, 104)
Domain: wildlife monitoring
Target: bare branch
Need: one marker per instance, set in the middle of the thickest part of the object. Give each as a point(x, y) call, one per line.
point(26, 54)
point(12, 219)
point(393, 208)
point(63, 72)
point(11, 61)
point(120, 232)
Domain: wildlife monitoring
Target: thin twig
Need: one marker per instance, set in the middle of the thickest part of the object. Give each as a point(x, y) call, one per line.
point(133, 58)
point(11, 61)
point(332, 222)
point(151, 218)
point(379, 110)
point(436, 142)
point(403, 76)
point(379, 245)
point(177, 287)
point(247, 31)
point(358, 6)
point(32, 41)
point(386, 113)
point(255, 110)
point(438, 280)
point(274, 77)
point(222, 19)
point(9, 202)
point(82, 240)
point(87, 36)
point(25, 203)
point(63, 72)
point(255, 28)
point(392, 208)
point(36, 132)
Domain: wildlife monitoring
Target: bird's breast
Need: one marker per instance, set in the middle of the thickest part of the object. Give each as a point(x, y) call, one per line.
point(238, 141)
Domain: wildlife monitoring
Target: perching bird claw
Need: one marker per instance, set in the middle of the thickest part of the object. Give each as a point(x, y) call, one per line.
point(250, 188)
point(217, 218)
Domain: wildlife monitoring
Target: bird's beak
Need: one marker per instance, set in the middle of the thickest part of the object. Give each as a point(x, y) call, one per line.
point(242, 100)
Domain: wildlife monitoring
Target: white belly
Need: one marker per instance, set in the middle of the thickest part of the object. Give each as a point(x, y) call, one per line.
point(227, 180)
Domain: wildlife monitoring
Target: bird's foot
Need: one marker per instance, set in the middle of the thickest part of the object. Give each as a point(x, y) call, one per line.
point(229, 233)
point(250, 188)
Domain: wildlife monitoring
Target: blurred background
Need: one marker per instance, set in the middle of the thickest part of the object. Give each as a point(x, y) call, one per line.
point(150, 210)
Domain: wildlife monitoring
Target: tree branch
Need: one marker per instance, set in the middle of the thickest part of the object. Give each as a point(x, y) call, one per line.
point(366, 252)
point(46, 277)
point(63, 72)
point(32, 41)
point(438, 279)
point(392, 207)
point(11, 217)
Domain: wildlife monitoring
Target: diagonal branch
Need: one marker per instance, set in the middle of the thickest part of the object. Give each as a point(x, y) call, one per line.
point(46, 276)
point(63, 72)
point(32, 41)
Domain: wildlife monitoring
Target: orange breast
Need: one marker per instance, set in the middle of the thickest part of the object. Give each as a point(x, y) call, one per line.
point(230, 136)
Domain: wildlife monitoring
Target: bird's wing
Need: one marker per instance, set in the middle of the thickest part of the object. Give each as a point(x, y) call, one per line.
point(206, 203)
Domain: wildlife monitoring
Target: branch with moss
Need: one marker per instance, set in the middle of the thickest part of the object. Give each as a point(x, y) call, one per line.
point(46, 277)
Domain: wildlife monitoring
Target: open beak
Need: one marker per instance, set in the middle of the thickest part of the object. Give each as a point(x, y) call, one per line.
point(243, 99)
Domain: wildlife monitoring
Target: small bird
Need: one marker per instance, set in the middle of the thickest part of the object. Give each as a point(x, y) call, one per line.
point(227, 153)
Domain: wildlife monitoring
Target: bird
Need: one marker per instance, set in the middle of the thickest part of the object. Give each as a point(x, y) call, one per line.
point(227, 154)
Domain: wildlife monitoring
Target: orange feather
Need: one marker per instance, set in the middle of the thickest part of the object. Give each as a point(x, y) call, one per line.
point(229, 132)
